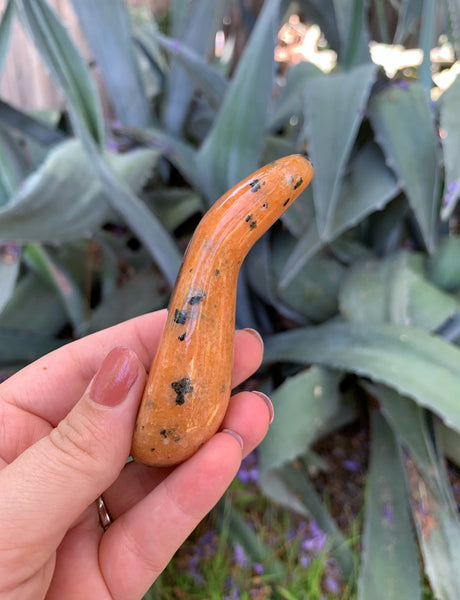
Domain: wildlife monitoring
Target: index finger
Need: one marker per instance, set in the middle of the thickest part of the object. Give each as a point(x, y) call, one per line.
point(50, 386)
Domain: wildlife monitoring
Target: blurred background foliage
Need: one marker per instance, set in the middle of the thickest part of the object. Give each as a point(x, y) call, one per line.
point(356, 291)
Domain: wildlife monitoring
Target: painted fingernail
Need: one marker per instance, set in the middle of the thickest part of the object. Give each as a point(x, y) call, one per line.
point(256, 334)
point(237, 436)
point(115, 377)
point(268, 402)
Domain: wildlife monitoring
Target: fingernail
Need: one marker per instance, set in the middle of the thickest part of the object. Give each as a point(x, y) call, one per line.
point(256, 334)
point(115, 377)
point(268, 402)
point(237, 436)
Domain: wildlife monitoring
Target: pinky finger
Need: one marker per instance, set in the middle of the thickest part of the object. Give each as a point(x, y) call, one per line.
point(139, 544)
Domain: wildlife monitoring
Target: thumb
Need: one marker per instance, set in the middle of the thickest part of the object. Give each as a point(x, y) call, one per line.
point(50, 484)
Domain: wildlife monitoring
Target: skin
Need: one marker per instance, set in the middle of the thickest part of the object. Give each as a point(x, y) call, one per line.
point(60, 449)
point(189, 384)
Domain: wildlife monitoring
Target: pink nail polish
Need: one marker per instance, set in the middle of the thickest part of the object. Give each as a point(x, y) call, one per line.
point(115, 377)
point(255, 334)
point(268, 402)
point(237, 436)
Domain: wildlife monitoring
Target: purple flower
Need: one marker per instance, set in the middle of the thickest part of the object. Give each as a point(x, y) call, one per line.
point(258, 568)
point(239, 556)
point(351, 465)
point(249, 471)
point(388, 513)
point(315, 540)
point(331, 585)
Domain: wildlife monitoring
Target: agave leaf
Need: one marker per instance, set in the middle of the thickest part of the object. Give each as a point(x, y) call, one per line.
point(206, 78)
point(313, 397)
point(174, 205)
point(409, 360)
point(234, 146)
point(9, 270)
point(66, 65)
point(334, 109)
point(367, 186)
point(392, 291)
point(300, 487)
point(408, 20)
point(13, 165)
point(254, 548)
point(62, 199)
point(427, 39)
point(403, 126)
point(314, 292)
point(439, 539)
point(30, 126)
point(204, 18)
point(141, 294)
point(389, 567)
point(58, 276)
point(20, 347)
point(351, 22)
point(106, 27)
point(35, 302)
point(449, 120)
point(322, 12)
point(290, 101)
point(443, 267)
point(5, 31)
point(136, 214)
point(433, 506)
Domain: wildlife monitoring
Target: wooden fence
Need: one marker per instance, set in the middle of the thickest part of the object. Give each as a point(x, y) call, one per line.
point(24, 81)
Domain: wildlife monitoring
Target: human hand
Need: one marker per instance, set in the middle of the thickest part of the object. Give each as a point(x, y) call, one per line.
point(62, 445)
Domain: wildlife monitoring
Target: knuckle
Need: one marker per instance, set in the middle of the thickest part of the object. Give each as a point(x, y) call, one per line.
point(76, 442)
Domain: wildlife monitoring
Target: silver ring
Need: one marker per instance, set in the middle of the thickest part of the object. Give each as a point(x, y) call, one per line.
point(104, 517)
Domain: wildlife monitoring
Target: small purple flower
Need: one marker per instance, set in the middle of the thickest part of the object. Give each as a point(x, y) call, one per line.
point(315, 539)
point(450, 197)
point(331, 585)
point(403, 84)
point(249, 471)
point(351, 465)
point(305, 560)
point(388, 513)
point(258, 568)
point(239, 556)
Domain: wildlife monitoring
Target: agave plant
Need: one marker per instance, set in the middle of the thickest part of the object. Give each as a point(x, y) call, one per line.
point(362, 278)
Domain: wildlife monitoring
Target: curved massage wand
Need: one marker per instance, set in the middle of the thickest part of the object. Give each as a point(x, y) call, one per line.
point(189, 384)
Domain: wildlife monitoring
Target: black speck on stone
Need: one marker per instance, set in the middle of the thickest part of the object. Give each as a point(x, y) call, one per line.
point(286, 202)
point(252, 225)
point(298, 183)
point(181, 387)
point(181, 337)
point(196, 298)
point(255, 185)
point(180, 316)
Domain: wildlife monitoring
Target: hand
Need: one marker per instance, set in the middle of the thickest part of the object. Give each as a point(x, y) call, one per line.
point(62, 445)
